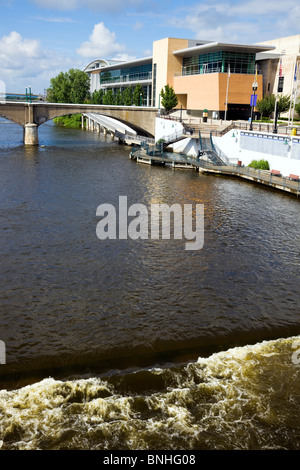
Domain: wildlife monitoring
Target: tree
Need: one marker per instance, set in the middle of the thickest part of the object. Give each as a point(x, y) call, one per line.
point(108, 97)
point(138, 95)
point(59, 91)
point(266, 106)
point(169, 98)
point(97, 97)
point(297, 108)
point(283, 104)
point(80, 86)
point(119, 98)
point(127, 96)
point(69, 87)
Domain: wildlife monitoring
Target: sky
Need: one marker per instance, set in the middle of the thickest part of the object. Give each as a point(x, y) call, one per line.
point(41, 38)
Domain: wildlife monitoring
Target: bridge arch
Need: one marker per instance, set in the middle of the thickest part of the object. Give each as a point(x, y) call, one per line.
point(32, 115)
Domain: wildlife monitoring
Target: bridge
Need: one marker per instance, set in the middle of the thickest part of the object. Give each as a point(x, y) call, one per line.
point(31, 115)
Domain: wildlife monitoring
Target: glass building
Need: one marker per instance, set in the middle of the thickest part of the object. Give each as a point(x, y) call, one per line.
point(197, 70)
point(117, 76)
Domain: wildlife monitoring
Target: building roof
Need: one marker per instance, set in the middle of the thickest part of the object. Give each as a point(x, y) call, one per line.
point(100, 63)
point(219, 46)
point(107, 65)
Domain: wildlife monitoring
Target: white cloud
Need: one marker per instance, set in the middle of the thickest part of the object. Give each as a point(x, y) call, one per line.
point(234, 21)
point(25, 62)
point(57, 4)
point(148, 53)
point(102, 43)
point(54, 20)
point(111, 5)
point(124, 57)
point(138, 26)
point(14, 48)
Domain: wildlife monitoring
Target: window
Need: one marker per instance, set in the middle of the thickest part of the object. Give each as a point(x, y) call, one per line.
point(127, 74)
point(154, 83)
point(213, 62)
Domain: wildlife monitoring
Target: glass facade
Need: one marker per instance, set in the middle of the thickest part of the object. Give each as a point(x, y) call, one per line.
point(154, 83)
point(147, 93)
point(218, 62)
point(128, 74)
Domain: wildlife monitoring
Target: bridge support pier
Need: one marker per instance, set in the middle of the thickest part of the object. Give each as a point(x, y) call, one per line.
point(30, 135)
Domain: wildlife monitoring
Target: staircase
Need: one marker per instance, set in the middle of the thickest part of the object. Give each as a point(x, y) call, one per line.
point(215, 156)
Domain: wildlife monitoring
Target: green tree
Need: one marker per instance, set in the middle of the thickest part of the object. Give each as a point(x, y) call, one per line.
point(138, 94)
point(297, 108)
point(59, 91)
point(283, 104)
point(80, 86)
point(97, 97)
point(127, 96)
point(169, 98)
point(119, 98)
point(69, 87)
point(109, 98)
point(266, 106)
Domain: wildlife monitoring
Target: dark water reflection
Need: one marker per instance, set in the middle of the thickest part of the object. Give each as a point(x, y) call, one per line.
point(69, 299)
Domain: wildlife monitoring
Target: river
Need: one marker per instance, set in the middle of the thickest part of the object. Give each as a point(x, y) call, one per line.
point(141, 344)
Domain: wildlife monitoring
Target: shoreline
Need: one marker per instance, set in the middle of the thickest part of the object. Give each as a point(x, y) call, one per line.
point(263, 177)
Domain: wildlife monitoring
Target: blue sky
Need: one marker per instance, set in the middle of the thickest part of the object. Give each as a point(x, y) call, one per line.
point(40, 38)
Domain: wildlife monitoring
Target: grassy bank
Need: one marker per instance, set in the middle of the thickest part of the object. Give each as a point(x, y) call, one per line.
point(73, 121)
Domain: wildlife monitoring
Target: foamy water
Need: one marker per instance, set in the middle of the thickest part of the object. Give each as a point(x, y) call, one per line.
point(242, 398)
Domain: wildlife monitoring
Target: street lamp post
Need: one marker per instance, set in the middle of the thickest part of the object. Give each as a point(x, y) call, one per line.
point(254, 88)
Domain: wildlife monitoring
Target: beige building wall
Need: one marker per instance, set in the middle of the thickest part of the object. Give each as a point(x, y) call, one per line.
point(239, 89)
point(208, 91)
point(201, 90)
point(167, 64)
point(289, 49)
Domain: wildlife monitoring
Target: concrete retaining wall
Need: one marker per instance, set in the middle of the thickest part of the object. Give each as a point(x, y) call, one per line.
point(282, 152)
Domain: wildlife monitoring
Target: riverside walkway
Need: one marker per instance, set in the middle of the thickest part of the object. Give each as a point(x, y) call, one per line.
point(177, 161)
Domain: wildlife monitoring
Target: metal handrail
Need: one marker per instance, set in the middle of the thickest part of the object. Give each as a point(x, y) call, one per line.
point(171, 137)
point(199, 70)
point(261, 176)
point(259, 127)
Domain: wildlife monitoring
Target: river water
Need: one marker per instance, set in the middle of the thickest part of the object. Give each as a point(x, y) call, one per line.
point(141, 344)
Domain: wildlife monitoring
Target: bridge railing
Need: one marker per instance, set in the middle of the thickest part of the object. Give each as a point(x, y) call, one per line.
point(139, 138)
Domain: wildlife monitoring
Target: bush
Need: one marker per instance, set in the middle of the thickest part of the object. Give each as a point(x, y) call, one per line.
point(260, 164)
point(70, 120)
